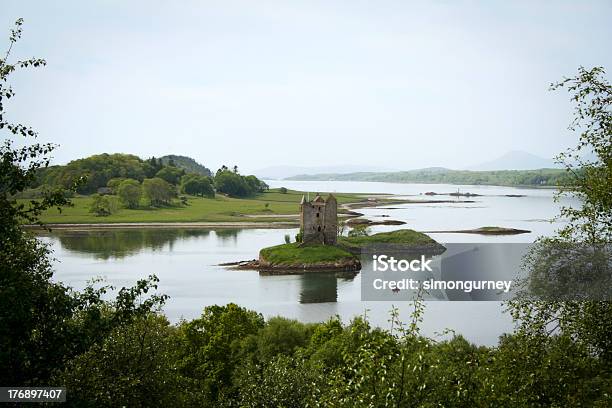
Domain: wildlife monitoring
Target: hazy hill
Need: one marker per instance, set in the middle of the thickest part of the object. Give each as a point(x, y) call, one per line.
point(516, 160)
point(437, 175)
point(187, 163)
point(281, 172)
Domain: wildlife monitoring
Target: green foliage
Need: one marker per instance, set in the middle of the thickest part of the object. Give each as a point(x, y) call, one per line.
point(129, 192)
point(358, 231)
point(158, 192)
point(282, 190)
point(197, 185)
point(114, 183)
point(210, 351)
point(186, 163)
point(231, 184)
point(589, 180)
point(103, 205)
point(134, 365)
point(19, 166)
point(107, 170)
point(282, 336)
point(170, 174)
point(283, 382)
point(152, 166)
point(586, 323)
point(97, 170)
point(256, 185)
point(43, 191)
point(235, 185)
point(43, 324)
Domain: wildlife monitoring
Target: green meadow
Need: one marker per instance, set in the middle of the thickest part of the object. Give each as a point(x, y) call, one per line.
point(270, 206)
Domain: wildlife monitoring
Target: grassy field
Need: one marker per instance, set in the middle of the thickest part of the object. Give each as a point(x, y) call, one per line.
point(266, 207)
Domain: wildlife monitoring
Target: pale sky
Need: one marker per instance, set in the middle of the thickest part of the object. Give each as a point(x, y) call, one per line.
point(397, 84)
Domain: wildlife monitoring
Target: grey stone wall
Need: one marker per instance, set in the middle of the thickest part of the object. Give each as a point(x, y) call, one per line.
point(319, 221)
point(330, 227)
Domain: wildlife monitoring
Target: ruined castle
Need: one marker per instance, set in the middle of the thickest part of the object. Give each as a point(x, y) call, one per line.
point(319, 220)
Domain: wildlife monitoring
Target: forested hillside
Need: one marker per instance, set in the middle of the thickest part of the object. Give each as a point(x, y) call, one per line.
point(186, 163)
point(541, 177)
point(97, 170)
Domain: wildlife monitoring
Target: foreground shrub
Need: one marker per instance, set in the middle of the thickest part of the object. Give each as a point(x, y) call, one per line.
point(133, 366)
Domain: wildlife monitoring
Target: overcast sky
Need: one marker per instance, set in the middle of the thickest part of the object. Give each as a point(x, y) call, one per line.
point(396, 84)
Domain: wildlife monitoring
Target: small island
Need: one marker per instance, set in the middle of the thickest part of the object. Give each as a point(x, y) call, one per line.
point(319, 248)
point(485, 231)
point(294, 256)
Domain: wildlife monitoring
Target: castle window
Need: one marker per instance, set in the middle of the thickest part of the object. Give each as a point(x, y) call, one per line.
point(317, 215)
point(319, 229)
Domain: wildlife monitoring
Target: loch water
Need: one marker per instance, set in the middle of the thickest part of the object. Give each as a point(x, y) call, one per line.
point(187, 260)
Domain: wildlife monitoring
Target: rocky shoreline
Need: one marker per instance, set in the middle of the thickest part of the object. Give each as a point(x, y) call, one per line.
point(346, 265)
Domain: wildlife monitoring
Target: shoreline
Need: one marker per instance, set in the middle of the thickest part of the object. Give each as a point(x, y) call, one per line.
point(292, 222)
point(161, 225)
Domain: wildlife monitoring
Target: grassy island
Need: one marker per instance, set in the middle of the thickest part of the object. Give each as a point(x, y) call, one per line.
point(311, 256)
point(344, 255)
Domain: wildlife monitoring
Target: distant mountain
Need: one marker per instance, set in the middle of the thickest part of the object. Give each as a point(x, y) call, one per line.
point(438, 175)
point(187, 163)
point(516, 160)
point(281, 172)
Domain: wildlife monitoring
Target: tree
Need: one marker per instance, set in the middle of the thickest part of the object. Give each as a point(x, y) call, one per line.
point(210, 350)
point(586, 322)
point(43, 324)
point(188, 164)
point(113, 183)
point(19, 166)
point(152, 166)
point(255, 184)
point(103, 205)
point(98, 170)
point(171, 174)
point(231, 184)
point(590, 179)
point(129, 192)
point(158, 191)
point(221, 169)
point(235, 185)
point(197, 185)
point(133, 366)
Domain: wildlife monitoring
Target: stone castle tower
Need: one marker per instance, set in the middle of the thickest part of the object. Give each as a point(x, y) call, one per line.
point(319, 220)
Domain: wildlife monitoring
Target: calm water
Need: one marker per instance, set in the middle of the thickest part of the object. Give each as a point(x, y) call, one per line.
point(186, 260)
